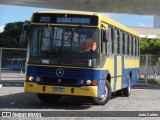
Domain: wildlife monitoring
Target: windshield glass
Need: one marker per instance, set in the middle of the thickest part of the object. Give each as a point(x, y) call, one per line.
point(75, 46)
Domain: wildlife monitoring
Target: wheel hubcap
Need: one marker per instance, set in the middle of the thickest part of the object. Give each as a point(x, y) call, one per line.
point(103, 97)
point(129, 88)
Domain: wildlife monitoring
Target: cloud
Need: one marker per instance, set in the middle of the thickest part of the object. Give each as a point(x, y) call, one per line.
point(141, 24)
point(148, 17)
point(1, 28)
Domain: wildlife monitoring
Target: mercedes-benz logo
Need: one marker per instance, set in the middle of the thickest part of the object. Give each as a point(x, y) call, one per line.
point(59, 72)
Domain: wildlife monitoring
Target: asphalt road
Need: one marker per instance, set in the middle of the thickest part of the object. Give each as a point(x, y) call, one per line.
point(13, 98)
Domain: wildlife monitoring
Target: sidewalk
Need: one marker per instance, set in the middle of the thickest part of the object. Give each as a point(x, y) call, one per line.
point(141, 85)
point(12, 78)
point(12, 75)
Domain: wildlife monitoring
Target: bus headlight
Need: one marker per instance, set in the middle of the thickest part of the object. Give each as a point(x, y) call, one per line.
point(31, 78)
point(89, 82)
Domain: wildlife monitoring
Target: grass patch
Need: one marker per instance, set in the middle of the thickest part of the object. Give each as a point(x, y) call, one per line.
point(154, 81)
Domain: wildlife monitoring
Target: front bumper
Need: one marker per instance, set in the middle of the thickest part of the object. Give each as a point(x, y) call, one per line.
point(33, 87)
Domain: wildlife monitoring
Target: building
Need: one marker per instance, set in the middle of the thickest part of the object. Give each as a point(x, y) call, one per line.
point(156, 23)
point(148, 32)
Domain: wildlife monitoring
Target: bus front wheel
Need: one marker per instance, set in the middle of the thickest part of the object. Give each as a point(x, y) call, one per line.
point(103, 99)
point(48, 98)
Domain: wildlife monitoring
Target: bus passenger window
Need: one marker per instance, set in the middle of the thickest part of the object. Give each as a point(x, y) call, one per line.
point(118, 42)
point(109, 40)
point(137, 46)
point(112, 40)
point(115, 41)
point(123, 43)
point(126, 44)
point(130, 45)
point(104, 47)
point(133, 46)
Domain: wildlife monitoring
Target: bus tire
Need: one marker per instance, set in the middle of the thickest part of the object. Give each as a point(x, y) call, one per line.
point(105, 97)
point(48, 98)
point(127, 91)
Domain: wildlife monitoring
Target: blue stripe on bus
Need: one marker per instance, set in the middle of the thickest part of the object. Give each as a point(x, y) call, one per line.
point(85, 74)
point(115, 72)
point(135, 72)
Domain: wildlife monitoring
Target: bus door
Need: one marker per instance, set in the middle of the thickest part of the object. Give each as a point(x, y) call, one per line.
point(103, 57)
point(117, 60)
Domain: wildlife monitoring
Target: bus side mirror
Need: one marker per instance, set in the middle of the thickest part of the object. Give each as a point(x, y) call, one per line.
point(26, 26)
point(24, 33)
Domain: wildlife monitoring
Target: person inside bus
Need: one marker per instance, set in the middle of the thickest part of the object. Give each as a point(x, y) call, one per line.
point(90, 46)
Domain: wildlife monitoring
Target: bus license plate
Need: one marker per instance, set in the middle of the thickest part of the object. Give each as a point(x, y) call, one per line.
point(58, 89)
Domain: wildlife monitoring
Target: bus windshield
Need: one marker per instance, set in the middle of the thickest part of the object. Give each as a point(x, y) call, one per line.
point(72, 46)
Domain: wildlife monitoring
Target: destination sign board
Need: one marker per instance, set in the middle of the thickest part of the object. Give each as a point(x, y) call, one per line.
point(65, 19)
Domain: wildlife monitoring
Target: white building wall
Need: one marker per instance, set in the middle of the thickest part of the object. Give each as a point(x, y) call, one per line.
point(156, 23)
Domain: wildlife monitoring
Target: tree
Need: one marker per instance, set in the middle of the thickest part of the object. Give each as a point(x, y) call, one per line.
point(10, 37)
point(150, 46)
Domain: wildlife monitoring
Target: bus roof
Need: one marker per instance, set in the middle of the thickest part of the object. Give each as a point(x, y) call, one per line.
point(68, 12)
point(103, 18)
point(114, 23)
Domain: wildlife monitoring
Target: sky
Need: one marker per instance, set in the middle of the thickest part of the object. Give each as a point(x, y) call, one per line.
point(9, 13)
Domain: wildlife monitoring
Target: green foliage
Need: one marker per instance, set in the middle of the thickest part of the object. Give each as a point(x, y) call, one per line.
point(150, 46)
point(10, 37)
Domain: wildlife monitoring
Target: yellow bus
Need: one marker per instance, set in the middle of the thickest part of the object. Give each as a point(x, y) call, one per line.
point(80, 54)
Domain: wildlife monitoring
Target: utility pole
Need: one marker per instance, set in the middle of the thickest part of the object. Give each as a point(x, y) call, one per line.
point(146, 70)
point(0, 65)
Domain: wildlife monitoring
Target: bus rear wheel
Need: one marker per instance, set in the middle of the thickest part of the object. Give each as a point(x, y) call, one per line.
point(127, 91)
point(105, 97)
point(48, 98)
